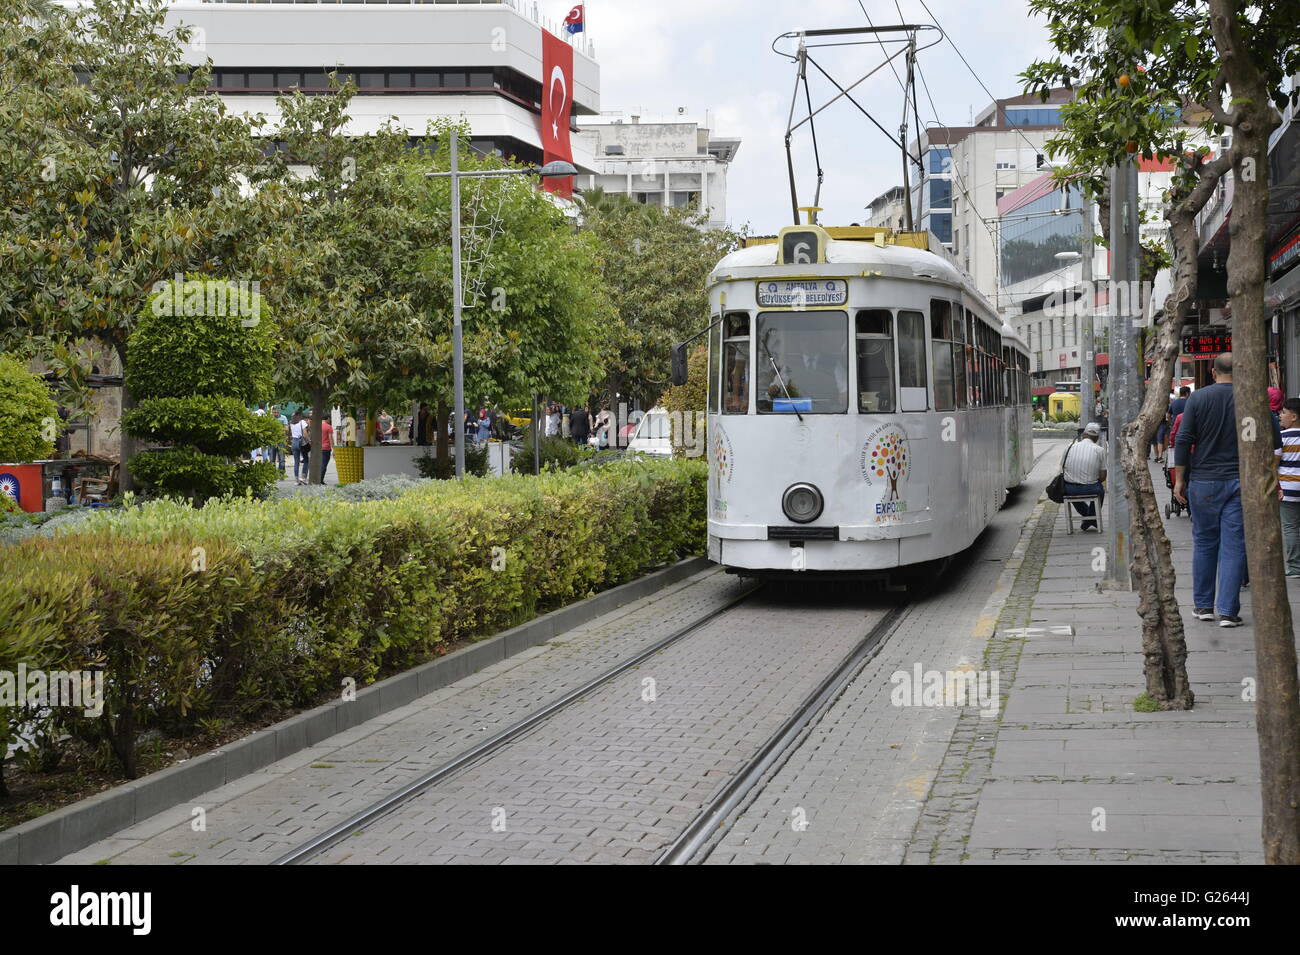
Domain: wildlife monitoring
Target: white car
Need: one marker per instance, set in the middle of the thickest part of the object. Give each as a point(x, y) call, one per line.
point(653, 434)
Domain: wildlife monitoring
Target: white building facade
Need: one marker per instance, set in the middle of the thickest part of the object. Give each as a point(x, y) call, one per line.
point(412, 61)
point(664, 163)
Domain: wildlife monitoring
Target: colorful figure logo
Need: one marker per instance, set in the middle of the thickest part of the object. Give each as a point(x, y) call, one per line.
point(885, 457)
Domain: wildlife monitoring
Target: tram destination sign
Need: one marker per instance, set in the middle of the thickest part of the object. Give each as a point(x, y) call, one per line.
point(808, 293)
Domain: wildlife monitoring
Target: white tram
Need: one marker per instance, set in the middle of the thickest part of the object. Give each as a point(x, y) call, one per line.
point(867, 409)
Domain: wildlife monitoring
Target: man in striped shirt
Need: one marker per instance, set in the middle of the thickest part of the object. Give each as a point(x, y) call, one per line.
point(1288, 476)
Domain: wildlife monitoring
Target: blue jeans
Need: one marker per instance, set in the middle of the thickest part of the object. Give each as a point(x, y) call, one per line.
point(1086, 510)
point(300, 455)
point(1219, 545)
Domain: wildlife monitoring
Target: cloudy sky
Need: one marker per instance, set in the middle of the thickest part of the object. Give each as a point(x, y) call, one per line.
point(716, 55)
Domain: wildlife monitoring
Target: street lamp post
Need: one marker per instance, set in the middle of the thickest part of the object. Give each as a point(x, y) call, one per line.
point(552, 170)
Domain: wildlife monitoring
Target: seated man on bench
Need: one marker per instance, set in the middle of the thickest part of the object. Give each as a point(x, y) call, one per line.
point(1085, 472)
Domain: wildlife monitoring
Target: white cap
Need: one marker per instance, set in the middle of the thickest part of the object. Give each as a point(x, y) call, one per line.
point(1092, 428)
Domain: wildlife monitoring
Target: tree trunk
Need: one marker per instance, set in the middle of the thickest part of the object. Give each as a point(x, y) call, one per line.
point(1277, 707)
point(440, 441)
point(315, 458)
point(127, 445)
point(1164, 646)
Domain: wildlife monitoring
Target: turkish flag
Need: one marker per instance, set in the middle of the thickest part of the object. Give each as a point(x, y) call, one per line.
point(557, 104)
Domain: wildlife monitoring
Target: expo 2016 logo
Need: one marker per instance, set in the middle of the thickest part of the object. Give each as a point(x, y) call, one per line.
point(723, 457)
point(885, 459)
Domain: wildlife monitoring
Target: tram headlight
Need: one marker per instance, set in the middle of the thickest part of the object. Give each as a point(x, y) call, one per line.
point(802, 503)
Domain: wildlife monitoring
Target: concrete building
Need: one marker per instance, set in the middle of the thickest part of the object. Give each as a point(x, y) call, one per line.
point(888, 210)
point(966, 170)
point(668, 162)
point(415, 61)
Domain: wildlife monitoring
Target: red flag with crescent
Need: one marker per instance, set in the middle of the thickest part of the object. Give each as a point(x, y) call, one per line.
point(557, 104)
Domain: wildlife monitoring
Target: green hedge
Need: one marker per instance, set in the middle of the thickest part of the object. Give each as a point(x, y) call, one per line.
point(245, 606)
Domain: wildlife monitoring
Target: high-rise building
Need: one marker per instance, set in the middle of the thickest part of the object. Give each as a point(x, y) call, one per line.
point(674, 161)
point(966, 170)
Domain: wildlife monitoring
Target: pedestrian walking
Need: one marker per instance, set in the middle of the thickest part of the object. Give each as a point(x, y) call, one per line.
point(1288, 477)
point(280, 448)
point(300, 447)
point(579, 425)
point(326, 445)
point(1085, 473)
point(1208, 477)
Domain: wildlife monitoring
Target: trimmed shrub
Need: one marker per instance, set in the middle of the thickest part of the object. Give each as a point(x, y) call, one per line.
point(28, 415)
point(198, 354)
point(476, 463)
point(557, 454)
point(296, 594)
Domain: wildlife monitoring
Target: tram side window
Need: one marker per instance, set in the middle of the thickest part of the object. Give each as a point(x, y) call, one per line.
point(959, 357)
point(715, 365)
point(973, 359)
point(941, 352)
point(875, 343)
point(912, 392)
point(735, 363)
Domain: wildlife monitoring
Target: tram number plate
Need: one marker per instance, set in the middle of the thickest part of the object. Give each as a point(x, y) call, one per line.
point(803, 294)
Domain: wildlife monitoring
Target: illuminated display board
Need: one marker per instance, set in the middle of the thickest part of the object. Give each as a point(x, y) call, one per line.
point(1201, 346)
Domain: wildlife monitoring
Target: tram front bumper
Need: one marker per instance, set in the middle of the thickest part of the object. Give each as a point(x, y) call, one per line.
point(808, 555)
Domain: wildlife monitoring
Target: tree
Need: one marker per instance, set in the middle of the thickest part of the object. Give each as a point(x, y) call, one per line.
point(1132, 84)
point(655, 263)
point(1257, 47)
point(1143, 74)
point(28, 416)
point(537, 312)
point(117, 171)
point(200, 354)
point(337, 264)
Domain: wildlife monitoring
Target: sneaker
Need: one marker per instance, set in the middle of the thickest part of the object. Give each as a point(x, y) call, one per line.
point(1229, 621)
point(1203, 613)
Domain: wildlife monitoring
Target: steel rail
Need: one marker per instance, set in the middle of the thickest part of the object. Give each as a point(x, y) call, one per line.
point(692, 844)
point(347, 827)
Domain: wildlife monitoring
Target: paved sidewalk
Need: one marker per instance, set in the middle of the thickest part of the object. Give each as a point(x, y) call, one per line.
point(1069, 772)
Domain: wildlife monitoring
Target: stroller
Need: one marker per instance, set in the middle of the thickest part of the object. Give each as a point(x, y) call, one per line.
point(1175, 506)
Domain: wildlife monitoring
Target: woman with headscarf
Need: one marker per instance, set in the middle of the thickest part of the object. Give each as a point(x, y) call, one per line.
point(1275, 398)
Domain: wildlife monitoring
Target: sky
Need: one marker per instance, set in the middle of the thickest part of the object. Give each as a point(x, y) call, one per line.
point(716, 55)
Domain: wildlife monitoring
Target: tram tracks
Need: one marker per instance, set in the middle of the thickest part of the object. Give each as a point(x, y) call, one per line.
point(694, 843)
point(342, 830)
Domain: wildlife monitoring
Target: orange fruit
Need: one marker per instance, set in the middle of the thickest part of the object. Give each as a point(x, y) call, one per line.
point(1125, 79)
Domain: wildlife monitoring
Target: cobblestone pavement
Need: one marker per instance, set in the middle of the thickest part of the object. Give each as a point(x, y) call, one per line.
point(617, 776)
point(257, 818)
point(1070, 772)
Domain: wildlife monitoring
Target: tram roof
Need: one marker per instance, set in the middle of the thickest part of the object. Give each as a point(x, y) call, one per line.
point(919, 252)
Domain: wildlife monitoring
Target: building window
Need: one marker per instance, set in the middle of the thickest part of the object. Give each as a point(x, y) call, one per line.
point(940, 160)
point(940, 193)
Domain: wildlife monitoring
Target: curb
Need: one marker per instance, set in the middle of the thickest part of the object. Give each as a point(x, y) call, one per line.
point(66, 830)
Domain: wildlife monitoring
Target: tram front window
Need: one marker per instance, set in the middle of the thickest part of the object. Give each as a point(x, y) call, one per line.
point(802, 363)
point(875, 337)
